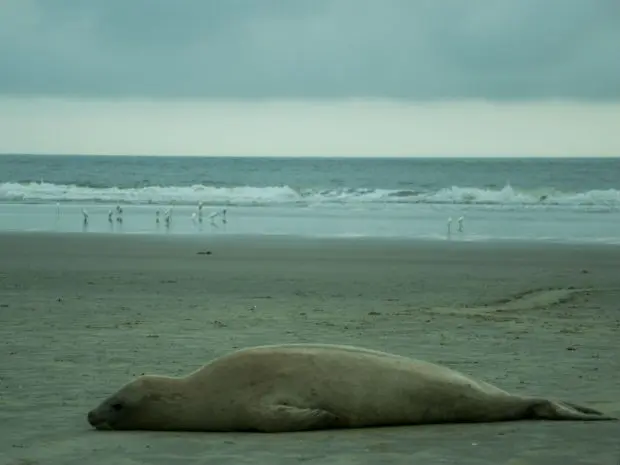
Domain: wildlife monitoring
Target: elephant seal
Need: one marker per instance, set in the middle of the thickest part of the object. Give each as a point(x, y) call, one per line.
point(296, 387)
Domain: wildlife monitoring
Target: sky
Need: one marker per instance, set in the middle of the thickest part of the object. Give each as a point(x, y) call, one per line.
point(311, 77)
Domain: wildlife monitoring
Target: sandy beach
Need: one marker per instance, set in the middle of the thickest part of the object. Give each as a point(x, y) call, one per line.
point(83, 313)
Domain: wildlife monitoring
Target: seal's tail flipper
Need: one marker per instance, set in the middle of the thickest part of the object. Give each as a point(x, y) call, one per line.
point(581, 408)
point(545, 409)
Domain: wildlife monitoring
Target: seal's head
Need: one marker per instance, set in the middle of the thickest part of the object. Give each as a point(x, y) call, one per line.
point(144, 403)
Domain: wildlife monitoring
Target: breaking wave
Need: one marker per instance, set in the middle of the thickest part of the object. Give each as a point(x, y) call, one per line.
point(41, 192)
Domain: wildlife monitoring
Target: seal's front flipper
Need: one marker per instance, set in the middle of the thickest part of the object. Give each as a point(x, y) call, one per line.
point(279, 418)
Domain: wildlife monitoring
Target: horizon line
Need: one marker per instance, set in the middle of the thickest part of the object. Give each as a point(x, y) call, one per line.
point(317, 156)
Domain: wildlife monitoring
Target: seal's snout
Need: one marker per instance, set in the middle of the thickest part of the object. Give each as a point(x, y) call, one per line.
point(92, 418)
point(95, 420)
point(98, 421)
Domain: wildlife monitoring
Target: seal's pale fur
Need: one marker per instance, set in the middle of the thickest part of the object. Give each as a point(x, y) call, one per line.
point(317, 386)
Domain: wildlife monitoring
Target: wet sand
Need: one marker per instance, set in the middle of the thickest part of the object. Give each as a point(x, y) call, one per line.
point(83, 313)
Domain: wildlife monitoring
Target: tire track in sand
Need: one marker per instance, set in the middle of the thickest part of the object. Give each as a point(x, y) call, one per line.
point(535, 299)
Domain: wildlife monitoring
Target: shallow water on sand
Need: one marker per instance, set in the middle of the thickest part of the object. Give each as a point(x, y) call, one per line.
point(420, 222)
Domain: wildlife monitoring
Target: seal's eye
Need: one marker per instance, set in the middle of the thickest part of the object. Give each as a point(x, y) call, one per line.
point(117, 406)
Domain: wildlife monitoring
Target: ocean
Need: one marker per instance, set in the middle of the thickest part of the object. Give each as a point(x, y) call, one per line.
point(532, 199)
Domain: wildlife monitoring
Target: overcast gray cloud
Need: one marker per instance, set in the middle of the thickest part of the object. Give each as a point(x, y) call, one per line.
point(405, 49)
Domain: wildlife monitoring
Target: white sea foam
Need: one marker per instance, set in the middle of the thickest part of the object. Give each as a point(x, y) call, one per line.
point(41, 192)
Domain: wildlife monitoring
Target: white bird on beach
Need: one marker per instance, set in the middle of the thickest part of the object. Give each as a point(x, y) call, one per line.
point(119, 212)
point(167, 216)
point(215, 214)
point(200, 211)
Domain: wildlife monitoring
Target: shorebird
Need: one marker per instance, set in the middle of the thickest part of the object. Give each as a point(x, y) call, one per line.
point(119, 212)
point(215, 214)
point(200, 211)
point(167, 216)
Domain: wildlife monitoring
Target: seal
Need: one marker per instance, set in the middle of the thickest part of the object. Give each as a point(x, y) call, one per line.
point(300, 387)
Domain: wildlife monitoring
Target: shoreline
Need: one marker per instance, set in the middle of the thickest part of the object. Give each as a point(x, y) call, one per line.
point(294, 240)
